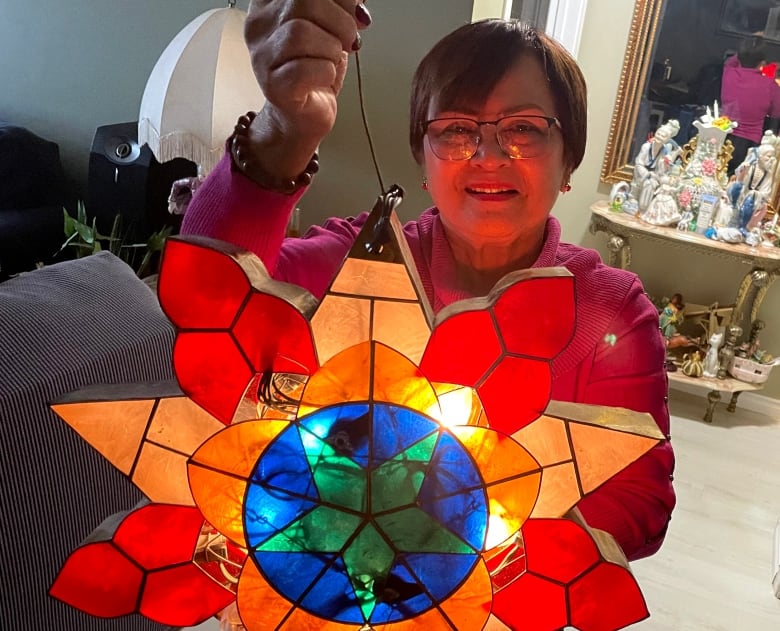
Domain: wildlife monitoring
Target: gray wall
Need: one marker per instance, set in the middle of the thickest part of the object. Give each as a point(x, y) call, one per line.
point(67, 68)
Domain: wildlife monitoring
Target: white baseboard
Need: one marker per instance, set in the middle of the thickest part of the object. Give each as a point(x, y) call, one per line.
point(747, 400)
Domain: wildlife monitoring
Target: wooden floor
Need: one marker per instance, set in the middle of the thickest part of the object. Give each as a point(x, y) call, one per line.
point(714, 570)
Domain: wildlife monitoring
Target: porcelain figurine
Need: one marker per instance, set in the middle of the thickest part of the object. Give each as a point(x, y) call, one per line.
point(656, 156)
point(662, 209)
point(711, 366)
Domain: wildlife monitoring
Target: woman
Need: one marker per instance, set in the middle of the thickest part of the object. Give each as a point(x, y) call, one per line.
point(748, 97)
point(494, 175)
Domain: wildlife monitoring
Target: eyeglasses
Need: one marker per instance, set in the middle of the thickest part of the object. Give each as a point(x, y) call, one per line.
point(519, 136)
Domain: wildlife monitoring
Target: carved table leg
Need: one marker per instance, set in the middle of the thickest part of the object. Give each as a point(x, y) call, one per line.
point(750, 295)
point(713, 397)
point(726, 353)
point(732, 406)
point(619, 252)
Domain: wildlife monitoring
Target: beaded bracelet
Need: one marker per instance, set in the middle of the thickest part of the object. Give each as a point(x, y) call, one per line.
point(239, 149)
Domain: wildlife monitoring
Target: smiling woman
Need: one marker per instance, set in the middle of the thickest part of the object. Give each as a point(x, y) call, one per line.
point(511, 89)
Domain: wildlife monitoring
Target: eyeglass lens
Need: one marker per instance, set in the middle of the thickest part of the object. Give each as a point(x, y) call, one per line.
point(518, 136)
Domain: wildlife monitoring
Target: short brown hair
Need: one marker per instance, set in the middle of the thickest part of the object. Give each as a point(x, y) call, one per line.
point(463, 68)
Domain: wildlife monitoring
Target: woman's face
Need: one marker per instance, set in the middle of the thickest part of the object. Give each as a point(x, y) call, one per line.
point(491, 198)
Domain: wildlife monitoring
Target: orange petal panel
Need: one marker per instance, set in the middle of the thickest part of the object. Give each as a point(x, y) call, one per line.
point(236, 449)
point(219, 470)
point(399, 381)
point(469, 607)
point(220, 498)
point(259, 605)
point(344, 378)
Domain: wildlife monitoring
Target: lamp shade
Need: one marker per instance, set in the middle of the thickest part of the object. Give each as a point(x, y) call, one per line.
point(200, 85)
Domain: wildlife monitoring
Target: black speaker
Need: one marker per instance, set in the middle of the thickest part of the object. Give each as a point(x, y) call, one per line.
point(126, 179)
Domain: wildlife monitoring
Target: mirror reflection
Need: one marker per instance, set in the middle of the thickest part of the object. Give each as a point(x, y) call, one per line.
point(695, 40)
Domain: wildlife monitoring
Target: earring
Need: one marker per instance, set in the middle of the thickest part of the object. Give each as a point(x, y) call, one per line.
point(425, 184)
point(566, 187)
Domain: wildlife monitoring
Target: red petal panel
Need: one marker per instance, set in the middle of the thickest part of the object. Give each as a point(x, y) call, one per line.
point(159, 535)
point(532, 604)
point(605, 599)
point(558, 549)
point(275, 334)
point(183, 596)
point(99, 580)
point(515, 393)
point(548, 304)
point(211, 371)
point(200, 288)
point(461, 349)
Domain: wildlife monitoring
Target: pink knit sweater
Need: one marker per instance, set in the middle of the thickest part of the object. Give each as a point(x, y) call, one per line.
point(616, 356)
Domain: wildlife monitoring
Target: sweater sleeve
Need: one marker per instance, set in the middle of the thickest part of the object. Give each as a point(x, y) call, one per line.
point(230, 207)
point(628, 371)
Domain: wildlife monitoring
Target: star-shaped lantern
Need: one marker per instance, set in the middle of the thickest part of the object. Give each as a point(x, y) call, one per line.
point(355, 463)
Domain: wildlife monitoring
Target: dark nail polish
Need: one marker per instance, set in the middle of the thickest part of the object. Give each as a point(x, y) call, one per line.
point(362, 15)
point(357, 43)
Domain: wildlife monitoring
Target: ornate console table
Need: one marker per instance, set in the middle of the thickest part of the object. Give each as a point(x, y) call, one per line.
point(764, 264)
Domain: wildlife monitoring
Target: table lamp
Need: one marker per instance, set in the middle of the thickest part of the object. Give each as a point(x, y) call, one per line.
point(200, 85)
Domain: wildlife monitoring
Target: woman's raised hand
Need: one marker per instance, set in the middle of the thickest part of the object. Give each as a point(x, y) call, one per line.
point(299, 51)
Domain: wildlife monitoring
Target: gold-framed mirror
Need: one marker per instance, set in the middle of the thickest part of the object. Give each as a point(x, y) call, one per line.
point(646, 24)
point(617, 163)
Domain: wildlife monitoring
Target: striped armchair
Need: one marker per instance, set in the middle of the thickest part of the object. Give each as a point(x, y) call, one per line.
point(62, 327)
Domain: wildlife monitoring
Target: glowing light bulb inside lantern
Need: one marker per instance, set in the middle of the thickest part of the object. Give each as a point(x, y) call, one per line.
point(458, 406)
point(499, 529)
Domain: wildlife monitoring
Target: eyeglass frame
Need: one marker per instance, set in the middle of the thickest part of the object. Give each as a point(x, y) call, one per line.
point(552, 121)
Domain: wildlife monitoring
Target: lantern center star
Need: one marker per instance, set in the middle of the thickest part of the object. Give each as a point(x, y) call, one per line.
point(349, 522)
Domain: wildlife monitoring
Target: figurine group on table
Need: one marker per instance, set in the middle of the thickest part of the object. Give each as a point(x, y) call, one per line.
point(688, 187)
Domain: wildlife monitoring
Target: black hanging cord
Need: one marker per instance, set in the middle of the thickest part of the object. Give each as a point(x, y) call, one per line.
point(365, 123)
